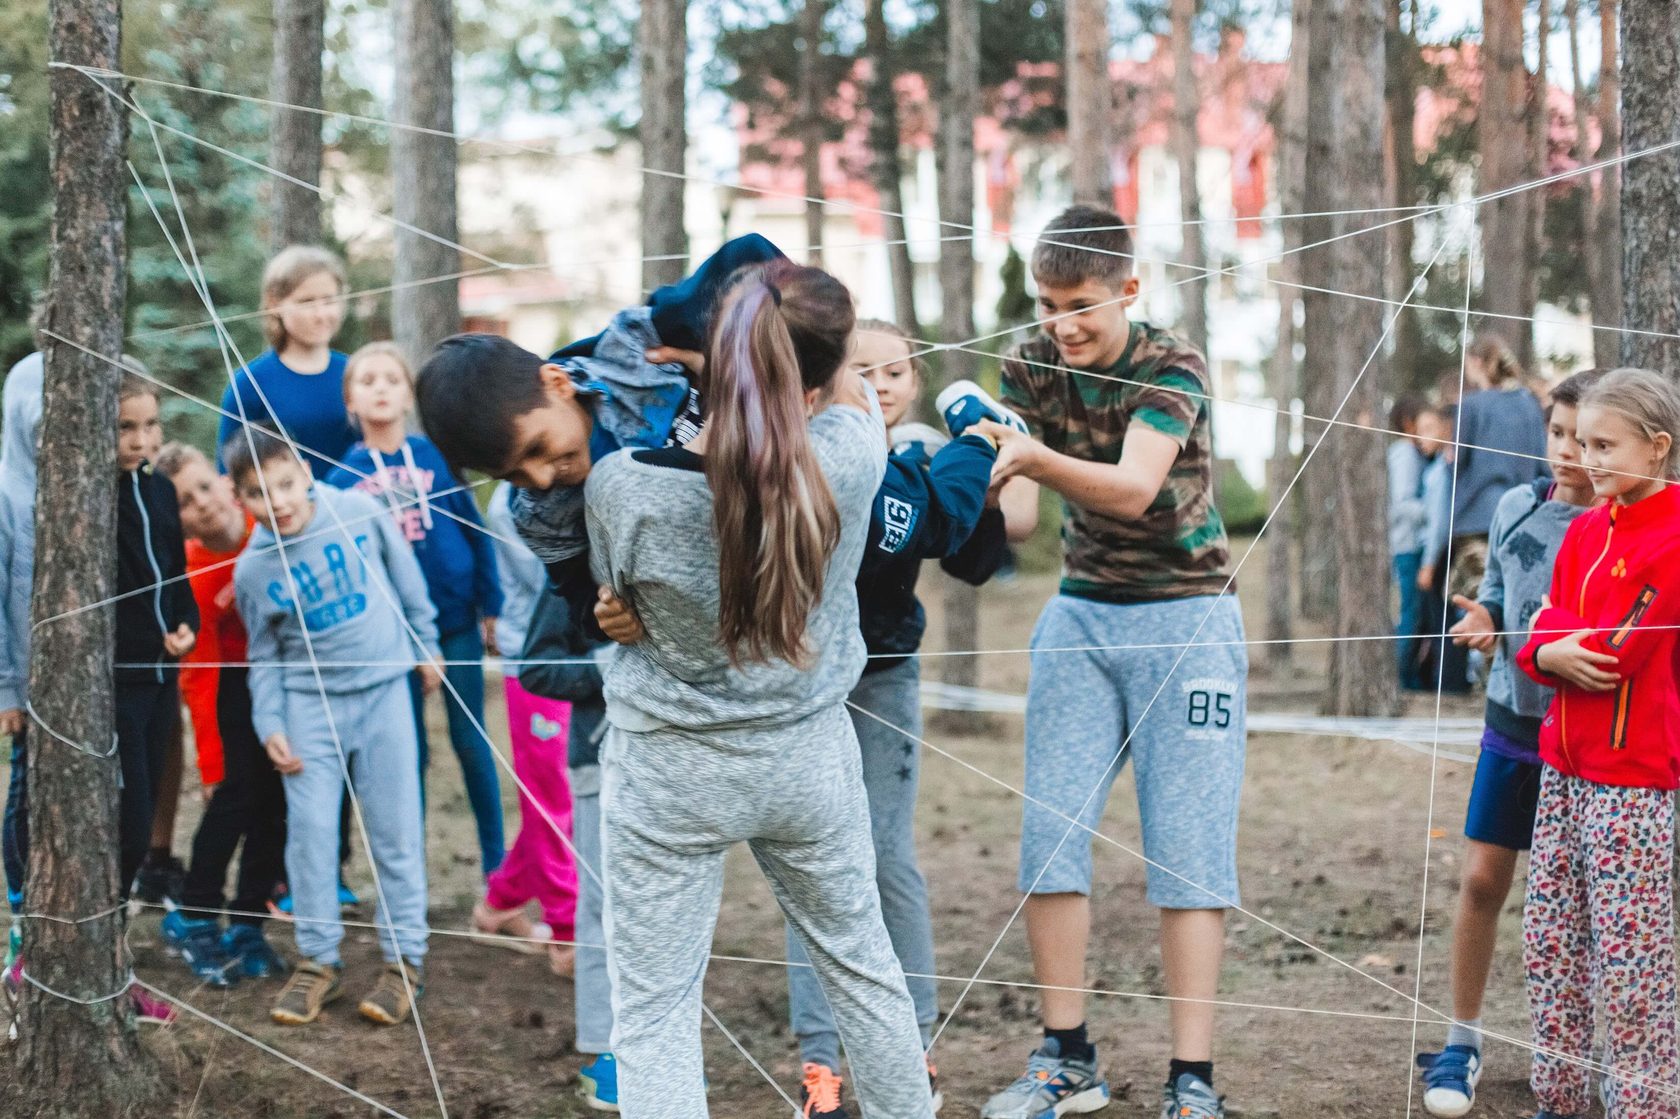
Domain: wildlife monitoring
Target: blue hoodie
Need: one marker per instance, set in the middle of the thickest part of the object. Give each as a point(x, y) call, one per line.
point(455, 554)
point(18, 446)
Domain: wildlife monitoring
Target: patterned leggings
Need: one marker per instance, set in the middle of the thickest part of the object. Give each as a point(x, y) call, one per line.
point(1598, 927)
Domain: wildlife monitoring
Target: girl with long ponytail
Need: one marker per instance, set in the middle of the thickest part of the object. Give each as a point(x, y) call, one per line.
point(739, 553)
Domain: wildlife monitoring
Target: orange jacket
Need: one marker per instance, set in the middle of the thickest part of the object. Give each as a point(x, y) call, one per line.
point(1617, 574)
point(221, 639)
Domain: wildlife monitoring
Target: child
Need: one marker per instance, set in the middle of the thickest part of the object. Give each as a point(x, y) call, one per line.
point(1122, 411)
point(247, 803)
point(156, 617)
point(1405, 528)
point(1437, 664)
point(928, 507)
point(296, 386)
point(331, 595)
point(447, 535)
point(1598, 923)
point(1528, 528)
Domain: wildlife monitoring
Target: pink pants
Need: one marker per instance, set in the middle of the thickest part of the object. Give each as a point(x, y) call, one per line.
point(539, 864)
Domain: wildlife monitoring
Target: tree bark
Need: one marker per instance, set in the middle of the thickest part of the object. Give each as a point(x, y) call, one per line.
point(1606, 249)
point(423, 177)
point(884, 165)
point(1650, 189)
point(295, 139)
point(1601, 309)
point(1502, 140)
point(74, 1059)
point(1186, 142)
point(810, 107)
point(1322, 191)
point(1402, 114)
point(663, 131)
point(1539, 155)
point(1090, 100)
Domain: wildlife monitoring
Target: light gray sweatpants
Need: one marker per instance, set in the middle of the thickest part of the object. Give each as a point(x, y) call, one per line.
point(672, 804)
point(592, 984)
point(376, 728)
point(892, 763)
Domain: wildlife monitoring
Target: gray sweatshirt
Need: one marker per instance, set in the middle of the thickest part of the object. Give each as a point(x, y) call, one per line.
point(19, 441)
point(349, 566)
point(650, 532)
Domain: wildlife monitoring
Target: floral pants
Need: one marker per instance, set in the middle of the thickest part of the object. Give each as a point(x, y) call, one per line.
point(1598, 929)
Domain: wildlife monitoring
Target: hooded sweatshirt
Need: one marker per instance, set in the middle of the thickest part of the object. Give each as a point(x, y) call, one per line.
point(155, 596)
point(18, 446)
point(353, 571)
point(221, 639)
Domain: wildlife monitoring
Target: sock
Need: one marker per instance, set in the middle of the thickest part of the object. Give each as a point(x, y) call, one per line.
point(1201, 1070)
point(1466, 1033)
point(1075, 1046)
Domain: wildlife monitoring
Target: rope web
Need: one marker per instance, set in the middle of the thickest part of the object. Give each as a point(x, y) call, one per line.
point(1417, 1012)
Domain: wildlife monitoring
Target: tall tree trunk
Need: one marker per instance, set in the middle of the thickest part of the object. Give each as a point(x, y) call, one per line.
point(1090, 100)
point(1291, 125)
point(1606, 246)
point(956, 282)
point(1402, 113)
point(1539, 156)
point(663, 131)
point(1502, 140)
point(423, 177)
point(295, 136)
point(1321, 192)
point(884, 165)
point(1187, 143)
point(811, 108)
point(1650, 189)
point(1607, 345)
point(79, 1058)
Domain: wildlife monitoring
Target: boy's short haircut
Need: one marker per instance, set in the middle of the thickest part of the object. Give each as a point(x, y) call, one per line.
point(1406, 410)
point(134, 381)
point(1569, 391)
point(470, 391)
point(1083, 243)
point(249, 449)
point(175, 456)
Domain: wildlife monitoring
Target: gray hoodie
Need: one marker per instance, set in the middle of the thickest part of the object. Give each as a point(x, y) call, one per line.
point(18, 445)
point(349, 566)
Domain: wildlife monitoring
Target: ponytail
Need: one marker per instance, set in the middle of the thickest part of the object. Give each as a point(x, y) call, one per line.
point(782, 331)
point(1503, 368)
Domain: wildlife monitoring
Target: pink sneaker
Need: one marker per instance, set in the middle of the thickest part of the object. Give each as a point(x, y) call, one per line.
point(150, 1009)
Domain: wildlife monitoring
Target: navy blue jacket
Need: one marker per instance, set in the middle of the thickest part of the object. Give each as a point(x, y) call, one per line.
point(151, 573)
point(552, 636)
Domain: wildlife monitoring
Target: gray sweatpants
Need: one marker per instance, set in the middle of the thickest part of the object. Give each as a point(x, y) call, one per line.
point(593, 985)
point(892, 763)
point(376, 728)
point(672, 804)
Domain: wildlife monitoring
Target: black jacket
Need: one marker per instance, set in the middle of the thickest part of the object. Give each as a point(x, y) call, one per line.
point(552, 636)
point(151, 575)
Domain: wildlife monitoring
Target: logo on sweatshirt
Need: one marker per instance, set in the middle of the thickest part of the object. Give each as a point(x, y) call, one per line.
point(328, 598)
point(1620, 570)
point(897, 519)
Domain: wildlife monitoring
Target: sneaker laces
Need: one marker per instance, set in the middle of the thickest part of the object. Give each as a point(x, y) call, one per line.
point(822, 1088)
point(302, 980)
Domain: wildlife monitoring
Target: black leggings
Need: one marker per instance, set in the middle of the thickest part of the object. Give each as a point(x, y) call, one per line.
point(146, 714)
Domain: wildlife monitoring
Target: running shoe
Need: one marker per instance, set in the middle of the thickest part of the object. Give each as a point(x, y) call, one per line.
point(600, 1083)
point(347, 898)
point(933, 1086)
point(392, 999)
point(1449, 1080)
point(199, 944)
point(149, 1009)
point(159, 878)
point(964, 404)
point(1051, 1086)
point(819, 1093)
point(250, 952)
point(311, 987)
point(1191, 1097)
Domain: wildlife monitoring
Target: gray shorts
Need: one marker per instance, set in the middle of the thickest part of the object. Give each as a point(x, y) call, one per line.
point(1186, 741)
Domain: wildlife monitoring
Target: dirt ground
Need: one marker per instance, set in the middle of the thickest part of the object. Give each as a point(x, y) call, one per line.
point(1331, 853)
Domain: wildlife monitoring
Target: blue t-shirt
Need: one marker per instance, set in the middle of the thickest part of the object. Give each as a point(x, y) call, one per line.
point(308, 407)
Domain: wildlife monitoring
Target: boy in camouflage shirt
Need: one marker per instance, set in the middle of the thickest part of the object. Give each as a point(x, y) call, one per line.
point(1140, 655)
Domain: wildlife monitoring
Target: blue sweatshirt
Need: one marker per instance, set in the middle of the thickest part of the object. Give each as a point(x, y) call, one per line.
point(309, 407)
point(447, 533)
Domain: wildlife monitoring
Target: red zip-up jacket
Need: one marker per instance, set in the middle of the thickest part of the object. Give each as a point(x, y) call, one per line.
point(221, 639)
point(1617, 574)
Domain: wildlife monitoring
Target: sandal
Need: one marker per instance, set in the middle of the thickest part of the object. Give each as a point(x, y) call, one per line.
point(510, 929)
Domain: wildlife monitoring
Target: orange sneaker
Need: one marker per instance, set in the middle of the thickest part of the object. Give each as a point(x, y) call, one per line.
point(819, 1095)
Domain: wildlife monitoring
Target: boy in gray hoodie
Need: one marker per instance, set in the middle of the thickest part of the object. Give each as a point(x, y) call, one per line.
point(338, 615)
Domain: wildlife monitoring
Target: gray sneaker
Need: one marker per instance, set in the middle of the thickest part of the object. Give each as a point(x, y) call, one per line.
point(1051, 1086)
point(1191, 1097)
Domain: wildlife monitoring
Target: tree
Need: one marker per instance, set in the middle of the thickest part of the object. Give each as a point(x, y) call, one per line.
point(1650, 189)
point(1539, 114)
point(884, 164)
point(1404, 62)
point(1345, 123)
point(79, 1055)
point(1506, 158)
point(1187, 143)
point(663, 131)
point(25, 188)
point(295, 145)
point(811, 109)
point(1600, 254)
point(1090, 100)
point(423, 177)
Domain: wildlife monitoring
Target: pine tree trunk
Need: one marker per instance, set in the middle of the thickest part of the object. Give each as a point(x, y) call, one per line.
point(1322, 191)
point(810, 104)
point(295, 139)
point(423, 177)
point(1186, 141)
point(1606, 246)
point(1539, 155)
point(1502, 138)
point(79, 1060)
point(1650, 188)
point(1090, 99)
point(663, 42)
point(1402, 113)
point(884, 165)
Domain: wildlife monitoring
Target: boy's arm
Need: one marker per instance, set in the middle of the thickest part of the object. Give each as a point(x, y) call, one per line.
point(183, 608)
point(1122, 491)
point(565, 668)
point(1491, 593)
point(200, 680)
point(928, 512)
point(409, 583)
point(266, 676)
point(487, 580)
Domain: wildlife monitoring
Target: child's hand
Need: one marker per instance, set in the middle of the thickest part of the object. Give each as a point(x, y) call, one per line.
point(1426, 577)
point(1570, 662)
point(489, 627)
point(692, 360)
point(850, 388)
point(431, 678)
point(181, 642)
point(1016, 453)
point(11, 721)
point(280, 753)
point(616, 619)
point(1476, 629)
point(205, 792)
point(224, 597)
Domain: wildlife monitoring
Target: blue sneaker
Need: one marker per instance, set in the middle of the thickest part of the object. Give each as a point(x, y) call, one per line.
point(1051, 1086)
point(1191, 1097)
point(199, 942)
point(347, 898)
point(600, 1083)
point(1449, 1080)
point(252, 954)
point(964, 404)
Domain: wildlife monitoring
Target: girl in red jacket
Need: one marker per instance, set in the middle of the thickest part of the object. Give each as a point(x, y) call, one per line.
point(1598, 923)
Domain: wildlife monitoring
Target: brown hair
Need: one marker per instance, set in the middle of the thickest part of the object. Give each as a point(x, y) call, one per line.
point(174, 457)
point(1491, 350)
point(285, 273)
point(1083, 243)
point(782, 330)
point(1569, 391)
point(1647, 401)
point(135, 381)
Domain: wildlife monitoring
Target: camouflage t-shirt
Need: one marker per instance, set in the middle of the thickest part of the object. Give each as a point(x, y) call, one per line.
point(1177, 548)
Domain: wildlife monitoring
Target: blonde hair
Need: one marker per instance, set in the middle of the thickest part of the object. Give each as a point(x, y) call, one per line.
point(918, 366)
point(285, 273)
point(135, 381)
point(1645, 400)
point(377, 349)
point(1491, 351)
point(175, 456)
